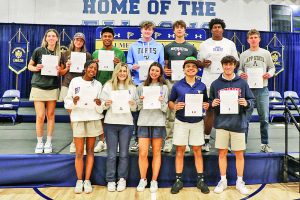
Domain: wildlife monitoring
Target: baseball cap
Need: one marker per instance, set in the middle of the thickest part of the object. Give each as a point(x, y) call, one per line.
point(79, 35)
point(193, 60)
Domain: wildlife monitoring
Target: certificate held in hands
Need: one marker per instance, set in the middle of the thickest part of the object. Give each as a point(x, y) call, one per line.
point(215, 66)
point(229, 102)
point(177, 70)
point(120, 101)
point(106, 60)
point(77, 59)
point(144, 67)
point(151, 97)
point(86, 98)
point(193, 105)
point(255, 77)
point(49, 63)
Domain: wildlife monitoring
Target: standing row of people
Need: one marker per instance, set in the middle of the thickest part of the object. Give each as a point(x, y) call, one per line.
point(118, 127)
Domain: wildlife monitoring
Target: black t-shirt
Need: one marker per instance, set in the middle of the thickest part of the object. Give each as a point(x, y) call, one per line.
point(41, 81)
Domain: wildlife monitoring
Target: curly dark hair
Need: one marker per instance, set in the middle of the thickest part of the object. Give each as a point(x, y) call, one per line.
point(216, 21)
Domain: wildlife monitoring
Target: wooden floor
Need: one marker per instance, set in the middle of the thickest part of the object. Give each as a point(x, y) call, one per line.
point(277, 191)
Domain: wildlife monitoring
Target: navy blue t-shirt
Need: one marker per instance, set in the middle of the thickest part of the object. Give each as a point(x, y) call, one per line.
point(178, 95)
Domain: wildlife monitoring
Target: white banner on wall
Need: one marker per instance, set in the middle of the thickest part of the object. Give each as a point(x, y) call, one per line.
point(237, 14)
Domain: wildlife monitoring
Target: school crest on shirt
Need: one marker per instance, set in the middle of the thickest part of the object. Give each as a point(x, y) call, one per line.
point(77, 90)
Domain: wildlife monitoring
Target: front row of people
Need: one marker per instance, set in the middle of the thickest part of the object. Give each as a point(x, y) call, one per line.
point(87, 100)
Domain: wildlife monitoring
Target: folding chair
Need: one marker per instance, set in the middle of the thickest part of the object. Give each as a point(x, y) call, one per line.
point(8, 107)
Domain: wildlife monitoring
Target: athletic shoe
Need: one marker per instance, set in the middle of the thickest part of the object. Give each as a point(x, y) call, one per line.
point(39, 148)
point(201, 185)
point(168, 146)
point(72, 148)
point(142, 185)
point(134, 147)
point(177, 186)
point(241, 187)
point(111, 186)
point(153, 186)
point(87, 186)
point(121, 185)
point(187, 149)
point(222, 185)
point(99, 147)
point(206, 147)
point(266, 148)
point(48, 147)
point(79, 187)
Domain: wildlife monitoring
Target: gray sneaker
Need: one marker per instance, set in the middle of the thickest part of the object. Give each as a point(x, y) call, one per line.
point(87, 186)
point(134, 147)
point(265, 148)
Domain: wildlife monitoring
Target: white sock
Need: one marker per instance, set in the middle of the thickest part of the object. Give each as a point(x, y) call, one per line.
point(223, 178)
point(240, 179)
point(207, 137)
point(39, 139)
point(49, 139)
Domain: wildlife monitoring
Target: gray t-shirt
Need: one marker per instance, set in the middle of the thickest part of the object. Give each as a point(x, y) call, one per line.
point(260, 58)
point(179, 51)
point(41, 81)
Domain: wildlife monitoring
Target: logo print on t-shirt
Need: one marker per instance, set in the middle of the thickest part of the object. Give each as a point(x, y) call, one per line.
point(77, 90)
point(178, 53)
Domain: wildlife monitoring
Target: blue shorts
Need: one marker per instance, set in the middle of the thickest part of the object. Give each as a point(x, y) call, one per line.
point(151, 131)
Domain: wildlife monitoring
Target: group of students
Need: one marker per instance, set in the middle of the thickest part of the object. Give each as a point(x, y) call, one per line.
point(88, 99)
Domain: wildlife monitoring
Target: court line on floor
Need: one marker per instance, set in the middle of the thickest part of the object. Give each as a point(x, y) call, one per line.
point(41, 194)
point(255, 192)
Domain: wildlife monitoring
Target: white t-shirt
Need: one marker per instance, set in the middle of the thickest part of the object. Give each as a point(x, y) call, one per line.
point(215, 50)
point(85, 109)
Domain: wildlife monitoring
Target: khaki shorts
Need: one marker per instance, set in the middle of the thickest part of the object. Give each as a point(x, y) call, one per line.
point(237, 140)
point(63, 93)
point(87, 128)
point(37, 94)
point(188, 133)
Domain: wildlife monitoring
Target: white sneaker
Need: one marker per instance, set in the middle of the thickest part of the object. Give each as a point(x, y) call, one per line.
point(241, 187)
point(266, 148)
point(153, 186)
point(72, 148)
point(134, 147)
point(206, 147)
point(222, 185)
point(79, 187)
point(187, 149)
point(111, 186)
point(121, 185)
point(39, 148)
point(99, 147)
point(142, 185)
point(104, 146)
point(87, 186)
point(168, 146)
point(48, 147)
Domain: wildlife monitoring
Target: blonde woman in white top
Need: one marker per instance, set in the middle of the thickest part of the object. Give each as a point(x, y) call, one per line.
point(118, 127)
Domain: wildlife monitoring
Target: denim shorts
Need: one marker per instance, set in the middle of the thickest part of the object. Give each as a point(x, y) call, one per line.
point(151, 131)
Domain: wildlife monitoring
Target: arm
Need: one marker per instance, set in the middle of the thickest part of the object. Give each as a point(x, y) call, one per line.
point(164, 99)
point(69, 102)
point(99, 107)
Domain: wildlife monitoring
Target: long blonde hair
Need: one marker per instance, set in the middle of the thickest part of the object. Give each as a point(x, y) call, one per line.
point(114, 79)
point(57, 45)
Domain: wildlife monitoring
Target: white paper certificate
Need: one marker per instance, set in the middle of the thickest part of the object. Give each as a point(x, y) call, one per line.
point(144, 67)
point(77, 59)
point(151, 97)
point(255, 77)
point(229, 102)
point(106, 60)
point(120, 101)
point(86, 98)
point(215, 66)
point(193, 105)
point(177, 70)
point(49, 63)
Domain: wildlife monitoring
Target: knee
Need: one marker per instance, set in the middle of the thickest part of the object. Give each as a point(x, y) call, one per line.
point(79, 155)
point(40, 118)
point(143, 154)
point(179, 153)
point(239, 155)
point(50, 115)
point(223, 154)
point(89, 151)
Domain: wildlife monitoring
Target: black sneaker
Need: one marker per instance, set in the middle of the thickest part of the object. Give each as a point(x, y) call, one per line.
point(201, 185)
point(177, 186)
